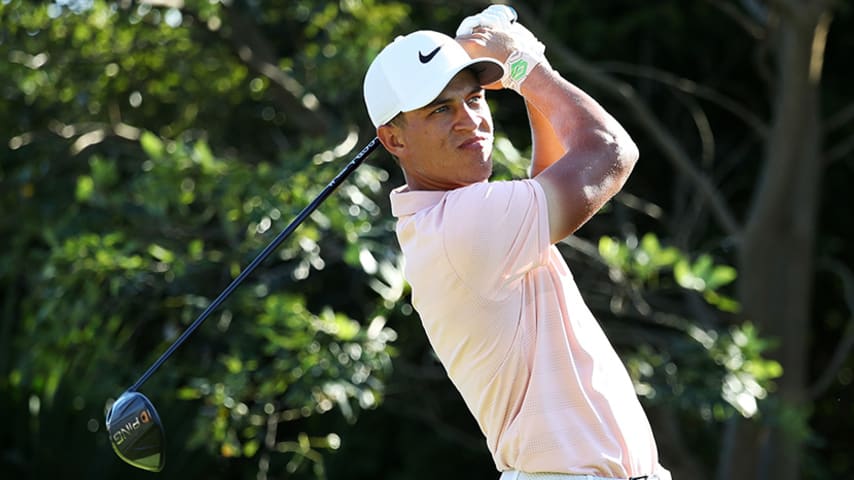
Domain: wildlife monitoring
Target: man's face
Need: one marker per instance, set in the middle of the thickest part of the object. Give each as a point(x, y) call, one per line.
point(448, 143)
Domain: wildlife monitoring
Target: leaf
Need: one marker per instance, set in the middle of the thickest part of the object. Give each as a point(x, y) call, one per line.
point(721, 275)
point(763, 369)
point(612, 252)
point(85, 188)
point(703, 266)
point(161, 253)
point(686, 278)
point(650, 243)
point(204, 156)
point(250, 448)
point(151, 145)
point(666, 257)
point(188, 393)
point(233, 364)
point(722, 302)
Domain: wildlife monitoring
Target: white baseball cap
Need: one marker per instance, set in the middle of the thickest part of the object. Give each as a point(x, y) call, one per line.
point(412, 71)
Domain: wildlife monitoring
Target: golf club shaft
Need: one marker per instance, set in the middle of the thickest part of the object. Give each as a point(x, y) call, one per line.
point(342, 175)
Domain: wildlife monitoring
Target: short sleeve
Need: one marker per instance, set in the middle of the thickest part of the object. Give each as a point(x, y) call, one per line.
point(495, 233)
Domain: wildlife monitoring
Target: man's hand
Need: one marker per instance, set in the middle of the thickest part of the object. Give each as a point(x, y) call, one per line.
point(486, 42)
point(581, 155)
point(495, 33)
point(499, 17)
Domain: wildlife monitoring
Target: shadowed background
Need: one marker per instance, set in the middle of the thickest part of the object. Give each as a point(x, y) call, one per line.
point(149, 150)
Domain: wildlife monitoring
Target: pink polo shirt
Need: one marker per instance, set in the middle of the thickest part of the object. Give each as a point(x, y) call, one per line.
point(505, 317)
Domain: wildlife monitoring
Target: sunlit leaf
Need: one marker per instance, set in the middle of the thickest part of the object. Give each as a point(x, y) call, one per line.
point(160, 253)
point(85, 188)
point(721, 275)
point(151, 145)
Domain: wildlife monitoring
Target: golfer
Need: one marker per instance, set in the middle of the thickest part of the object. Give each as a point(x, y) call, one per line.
point(496, 299)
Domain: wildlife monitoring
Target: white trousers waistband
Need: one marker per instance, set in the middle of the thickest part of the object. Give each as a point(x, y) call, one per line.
point(517, 475)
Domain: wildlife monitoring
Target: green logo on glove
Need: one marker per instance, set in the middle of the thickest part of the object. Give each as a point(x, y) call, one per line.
point(518, 70)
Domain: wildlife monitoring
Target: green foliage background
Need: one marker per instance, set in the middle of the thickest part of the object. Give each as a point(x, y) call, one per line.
point(150, 150)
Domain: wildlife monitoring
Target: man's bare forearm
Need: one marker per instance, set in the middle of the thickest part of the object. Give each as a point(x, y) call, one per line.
point(575, 119)
point(547, 148)
point(598, 153)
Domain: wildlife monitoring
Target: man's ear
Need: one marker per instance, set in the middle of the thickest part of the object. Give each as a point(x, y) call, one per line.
point(391, 137)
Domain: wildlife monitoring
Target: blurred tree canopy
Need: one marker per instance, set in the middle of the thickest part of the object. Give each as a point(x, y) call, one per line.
point(150, 149)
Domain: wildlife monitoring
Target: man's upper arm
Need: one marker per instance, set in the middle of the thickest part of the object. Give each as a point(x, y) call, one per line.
point(579, 184)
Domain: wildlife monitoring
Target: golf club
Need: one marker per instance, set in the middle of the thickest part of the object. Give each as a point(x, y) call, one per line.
point(133, 425)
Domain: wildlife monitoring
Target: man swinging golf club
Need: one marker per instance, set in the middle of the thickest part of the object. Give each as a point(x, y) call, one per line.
point(496, 299)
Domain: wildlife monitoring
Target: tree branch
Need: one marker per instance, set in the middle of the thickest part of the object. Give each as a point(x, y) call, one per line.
point(846, 344)
point(752, 27)
point(800, 13)
point(674, 445)
point(840, 150)
point(670, 147)
point(692, 88)
point(256, 52)
point(253, 49)
point(840, 119)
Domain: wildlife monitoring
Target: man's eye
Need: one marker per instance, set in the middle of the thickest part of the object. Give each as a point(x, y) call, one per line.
point(475, 100)
point(441, 109)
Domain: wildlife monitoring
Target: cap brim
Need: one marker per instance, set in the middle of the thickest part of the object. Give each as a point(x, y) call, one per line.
point(486, 69)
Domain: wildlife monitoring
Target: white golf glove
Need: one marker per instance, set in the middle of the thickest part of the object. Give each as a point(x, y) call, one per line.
point(521, 62)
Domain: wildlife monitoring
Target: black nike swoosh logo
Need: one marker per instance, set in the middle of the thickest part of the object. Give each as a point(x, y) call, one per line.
point(429, 56)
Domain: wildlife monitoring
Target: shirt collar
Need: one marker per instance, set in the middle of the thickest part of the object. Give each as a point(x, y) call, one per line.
point(406, 202)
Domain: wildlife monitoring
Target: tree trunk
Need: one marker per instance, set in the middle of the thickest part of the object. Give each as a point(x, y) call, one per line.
point(776, 262)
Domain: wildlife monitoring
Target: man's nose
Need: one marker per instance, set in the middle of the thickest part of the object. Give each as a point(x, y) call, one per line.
point(468, 118)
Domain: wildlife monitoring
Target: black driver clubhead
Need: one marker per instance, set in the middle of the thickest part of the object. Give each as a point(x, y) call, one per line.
point(136, 432)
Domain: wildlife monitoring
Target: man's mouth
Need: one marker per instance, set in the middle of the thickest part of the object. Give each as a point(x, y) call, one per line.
point(477, 142)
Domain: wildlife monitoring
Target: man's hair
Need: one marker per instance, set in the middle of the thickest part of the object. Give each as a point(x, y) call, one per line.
point(399, 120)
